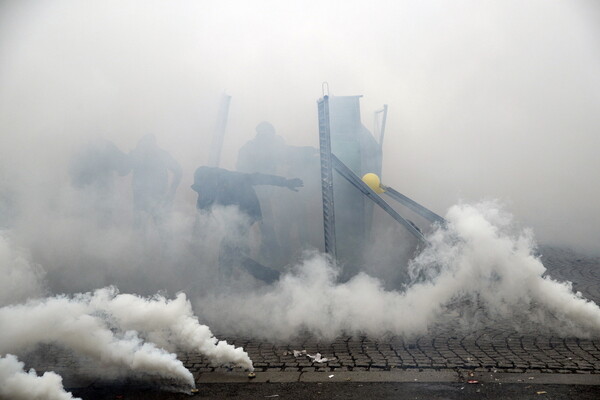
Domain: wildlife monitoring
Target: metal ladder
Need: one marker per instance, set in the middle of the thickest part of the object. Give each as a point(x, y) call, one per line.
point(327, 178)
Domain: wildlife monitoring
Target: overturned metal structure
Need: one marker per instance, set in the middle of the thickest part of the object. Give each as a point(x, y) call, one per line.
point(348, 150)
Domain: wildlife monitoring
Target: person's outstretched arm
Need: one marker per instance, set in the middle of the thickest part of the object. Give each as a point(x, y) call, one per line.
point(274, 180)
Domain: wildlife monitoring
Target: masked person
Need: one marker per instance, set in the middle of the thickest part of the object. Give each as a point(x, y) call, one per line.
point(221, 187)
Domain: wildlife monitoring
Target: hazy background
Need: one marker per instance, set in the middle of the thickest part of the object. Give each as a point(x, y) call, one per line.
point(487, 99)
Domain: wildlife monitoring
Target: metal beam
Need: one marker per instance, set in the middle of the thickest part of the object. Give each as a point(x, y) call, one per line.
point(351, 177)
point(327, 178)
point(413, 205)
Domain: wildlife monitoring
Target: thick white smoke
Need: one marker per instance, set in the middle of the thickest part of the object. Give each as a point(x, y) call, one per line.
point(16, 384)
point(479, 259)
point(168, 323)
point(117, 330)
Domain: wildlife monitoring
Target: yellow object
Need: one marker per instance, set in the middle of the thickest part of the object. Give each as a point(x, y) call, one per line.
point(372, 181)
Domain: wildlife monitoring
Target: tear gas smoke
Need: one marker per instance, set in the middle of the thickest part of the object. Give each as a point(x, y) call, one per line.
point(168, 323)
point(16, 384)
point(111, 328)
point(472, 106)
point(479, 259)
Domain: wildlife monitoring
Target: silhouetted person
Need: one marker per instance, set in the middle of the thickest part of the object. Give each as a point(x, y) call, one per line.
point(300, 224)
point(96, 165)
point(93, 170)
point(265, 154)
point(217, 186)
point(152, 193)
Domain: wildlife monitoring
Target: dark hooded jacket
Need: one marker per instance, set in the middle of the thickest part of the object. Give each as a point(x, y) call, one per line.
point(217, 186)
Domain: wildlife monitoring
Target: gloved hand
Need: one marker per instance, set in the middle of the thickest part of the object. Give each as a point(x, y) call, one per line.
point(294, 184)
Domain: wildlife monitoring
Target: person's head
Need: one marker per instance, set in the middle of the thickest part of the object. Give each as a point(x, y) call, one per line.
point(206, 178)
point(265, 130)
point(147, 142)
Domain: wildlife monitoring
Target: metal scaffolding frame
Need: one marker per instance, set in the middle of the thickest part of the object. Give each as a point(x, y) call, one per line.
point(329, 163)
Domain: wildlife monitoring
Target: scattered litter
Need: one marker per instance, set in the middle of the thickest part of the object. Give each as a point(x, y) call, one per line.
point(331, 376)
point(462, 388)
point(273, 395)
point(541, 392)
point(298, 353)
point(530, 378)
point(251, 375)
point(472, 381)
point(195, 390)
point(317, 358)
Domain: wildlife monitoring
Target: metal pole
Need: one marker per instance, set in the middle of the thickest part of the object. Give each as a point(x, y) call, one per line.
point(214, 158)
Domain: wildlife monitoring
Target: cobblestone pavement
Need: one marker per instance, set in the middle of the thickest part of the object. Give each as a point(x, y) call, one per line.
point(494, 347)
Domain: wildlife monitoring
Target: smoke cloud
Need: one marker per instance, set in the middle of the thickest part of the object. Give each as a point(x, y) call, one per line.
point(480, 260)
point(17, 384)
point(110, 328)
point(485, 101)
point(484, 98)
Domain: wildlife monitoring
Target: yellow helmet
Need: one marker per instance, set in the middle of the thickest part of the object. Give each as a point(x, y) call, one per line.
point(372, 181)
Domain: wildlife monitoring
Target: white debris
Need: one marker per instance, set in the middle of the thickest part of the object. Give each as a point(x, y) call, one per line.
point(317, 358)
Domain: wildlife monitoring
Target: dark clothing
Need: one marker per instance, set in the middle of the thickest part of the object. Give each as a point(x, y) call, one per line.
point(264, 154)
point(97, 164)
point(223, 187)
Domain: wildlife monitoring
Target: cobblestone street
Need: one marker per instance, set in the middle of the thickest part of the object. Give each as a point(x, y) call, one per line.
point(496, 347)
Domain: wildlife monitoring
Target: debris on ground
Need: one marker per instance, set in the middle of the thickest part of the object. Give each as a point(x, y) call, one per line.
point(298, 353)
point(318, 358)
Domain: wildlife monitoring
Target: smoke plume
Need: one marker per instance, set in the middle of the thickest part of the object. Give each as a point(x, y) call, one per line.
point(117, 330)
point(16, 384)
point(479, 260)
